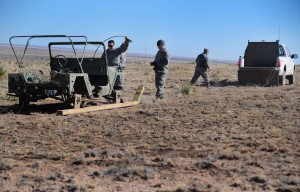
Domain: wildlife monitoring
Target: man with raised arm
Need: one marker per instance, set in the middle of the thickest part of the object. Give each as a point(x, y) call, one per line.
point(115, 58)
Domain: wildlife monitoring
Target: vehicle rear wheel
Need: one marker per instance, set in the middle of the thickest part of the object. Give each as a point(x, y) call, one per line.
point(282, 79)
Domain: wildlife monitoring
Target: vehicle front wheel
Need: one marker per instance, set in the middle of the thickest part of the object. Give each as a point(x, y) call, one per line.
point(24, 100)
point(282, 79)
point(292, 78)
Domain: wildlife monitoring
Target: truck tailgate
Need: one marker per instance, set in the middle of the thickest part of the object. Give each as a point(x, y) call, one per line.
point(262, 76)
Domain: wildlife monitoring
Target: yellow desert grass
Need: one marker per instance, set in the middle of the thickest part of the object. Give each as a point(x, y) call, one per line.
point(2, 72)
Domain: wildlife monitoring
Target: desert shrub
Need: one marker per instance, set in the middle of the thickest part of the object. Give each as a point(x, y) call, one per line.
point(230, 155)
point(187, 89)
point(6, 97)
point(2, 72)
point(258, 179)
point(4, 166)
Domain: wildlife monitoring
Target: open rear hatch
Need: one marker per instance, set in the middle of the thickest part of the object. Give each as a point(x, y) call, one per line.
point(260, 64)
point(261, 54)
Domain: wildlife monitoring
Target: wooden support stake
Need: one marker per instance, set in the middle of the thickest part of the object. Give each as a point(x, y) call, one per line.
point(138, 93)
point(96, 108)
point(77, 101)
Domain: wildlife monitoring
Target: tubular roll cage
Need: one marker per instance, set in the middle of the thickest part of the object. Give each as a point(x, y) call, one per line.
point(20, 62)
point(99, 43)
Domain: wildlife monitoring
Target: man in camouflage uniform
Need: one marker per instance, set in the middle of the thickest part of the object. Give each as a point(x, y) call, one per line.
point(201, 68)
point(161, 68)
point(116, 58)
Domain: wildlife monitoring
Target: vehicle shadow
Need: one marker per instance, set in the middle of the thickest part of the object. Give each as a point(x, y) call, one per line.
point(32, 108)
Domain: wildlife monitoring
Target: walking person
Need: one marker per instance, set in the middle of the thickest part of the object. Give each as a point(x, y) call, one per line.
point(201, 68)
point(161, 68)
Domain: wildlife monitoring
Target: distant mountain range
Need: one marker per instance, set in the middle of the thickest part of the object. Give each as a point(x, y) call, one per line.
point(133, 55)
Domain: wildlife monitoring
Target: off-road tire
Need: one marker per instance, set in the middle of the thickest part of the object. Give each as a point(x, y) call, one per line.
point(292, 78)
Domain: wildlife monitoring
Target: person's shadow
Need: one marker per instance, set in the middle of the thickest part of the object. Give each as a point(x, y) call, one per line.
point(223, 83)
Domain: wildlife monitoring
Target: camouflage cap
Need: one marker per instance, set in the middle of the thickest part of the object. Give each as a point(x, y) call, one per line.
point(160, 42)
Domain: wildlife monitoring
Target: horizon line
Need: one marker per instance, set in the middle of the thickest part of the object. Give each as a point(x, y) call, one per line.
point(130, 54)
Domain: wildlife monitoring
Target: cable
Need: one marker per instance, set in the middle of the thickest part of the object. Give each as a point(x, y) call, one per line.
point(21, 108)
point(109, 39)
point(116, 36)
point(271, 76)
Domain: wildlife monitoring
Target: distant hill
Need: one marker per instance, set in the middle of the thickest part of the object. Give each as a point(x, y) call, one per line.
point(131, 55)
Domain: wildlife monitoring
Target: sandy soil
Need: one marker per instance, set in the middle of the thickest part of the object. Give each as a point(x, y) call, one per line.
point(226, 138)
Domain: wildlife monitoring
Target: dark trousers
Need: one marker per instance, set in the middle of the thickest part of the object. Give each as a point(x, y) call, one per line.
point(200, 72)
point(119, 83)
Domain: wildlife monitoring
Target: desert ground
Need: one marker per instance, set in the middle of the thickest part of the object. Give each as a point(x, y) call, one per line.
point(225, 138)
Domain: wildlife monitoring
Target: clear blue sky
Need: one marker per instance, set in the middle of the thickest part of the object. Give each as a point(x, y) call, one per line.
point(187, 26)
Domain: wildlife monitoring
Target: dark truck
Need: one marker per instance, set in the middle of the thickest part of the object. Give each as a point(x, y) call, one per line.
point(266, 64)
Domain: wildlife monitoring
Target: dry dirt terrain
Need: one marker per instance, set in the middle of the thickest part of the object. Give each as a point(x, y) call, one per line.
point(225, 138)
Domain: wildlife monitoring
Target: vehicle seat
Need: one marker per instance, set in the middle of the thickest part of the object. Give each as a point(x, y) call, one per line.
point(97, 71)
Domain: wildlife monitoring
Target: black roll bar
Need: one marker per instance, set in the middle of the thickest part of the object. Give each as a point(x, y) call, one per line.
point(20, 62)
point(96, 43)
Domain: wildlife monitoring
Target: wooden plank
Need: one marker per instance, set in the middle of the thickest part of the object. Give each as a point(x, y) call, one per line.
point(136, 100)
point(96, 108)
point(138, 93)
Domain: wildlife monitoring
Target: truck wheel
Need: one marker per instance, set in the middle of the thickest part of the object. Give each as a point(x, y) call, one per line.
point(24, 100)
point(292, 78)
point(282, 79)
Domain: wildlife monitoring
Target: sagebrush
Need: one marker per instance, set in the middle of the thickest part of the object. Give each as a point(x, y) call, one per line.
point(187, 89)
point(2, 72)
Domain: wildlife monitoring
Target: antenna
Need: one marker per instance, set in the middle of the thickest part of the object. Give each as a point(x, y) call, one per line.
point(145, 55)
point(279, 34)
